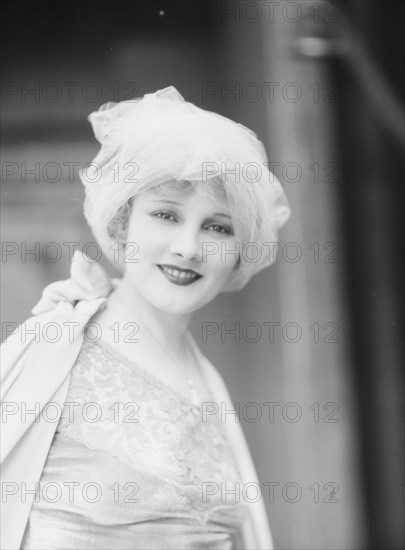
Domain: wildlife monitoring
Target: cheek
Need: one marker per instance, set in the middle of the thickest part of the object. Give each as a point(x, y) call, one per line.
point(144, 239)
point(223, 264)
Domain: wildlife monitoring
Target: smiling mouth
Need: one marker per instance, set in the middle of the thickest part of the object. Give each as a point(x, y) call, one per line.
point(179, 276)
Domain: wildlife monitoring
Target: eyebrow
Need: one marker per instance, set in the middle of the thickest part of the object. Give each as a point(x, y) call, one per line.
point(180, 204)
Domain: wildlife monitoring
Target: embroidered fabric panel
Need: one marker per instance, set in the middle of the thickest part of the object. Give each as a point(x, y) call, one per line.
point(159, 468)
point(141, 421)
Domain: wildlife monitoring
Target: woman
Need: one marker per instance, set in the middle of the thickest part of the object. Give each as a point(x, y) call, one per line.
point(123, 449)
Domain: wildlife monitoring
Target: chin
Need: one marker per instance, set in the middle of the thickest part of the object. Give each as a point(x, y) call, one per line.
point(180, 302)
point(178, 307)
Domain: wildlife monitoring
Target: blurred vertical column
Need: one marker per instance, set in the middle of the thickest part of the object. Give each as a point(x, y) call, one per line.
point(321, 448)
point(371, 68)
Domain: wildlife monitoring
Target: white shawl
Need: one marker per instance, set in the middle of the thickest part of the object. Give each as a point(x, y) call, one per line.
point(37, 370)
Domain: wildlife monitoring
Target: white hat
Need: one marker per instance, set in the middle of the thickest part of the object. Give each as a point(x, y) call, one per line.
point(161, 137)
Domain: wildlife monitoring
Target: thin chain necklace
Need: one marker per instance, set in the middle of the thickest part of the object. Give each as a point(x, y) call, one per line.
point(192, 392)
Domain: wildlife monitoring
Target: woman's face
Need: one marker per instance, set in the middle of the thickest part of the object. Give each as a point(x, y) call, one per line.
point(180, 241)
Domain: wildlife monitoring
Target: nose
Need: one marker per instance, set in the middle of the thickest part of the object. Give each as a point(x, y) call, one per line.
point(187, 245)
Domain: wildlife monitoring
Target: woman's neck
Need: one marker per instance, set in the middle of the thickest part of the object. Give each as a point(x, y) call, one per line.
point(168, 329)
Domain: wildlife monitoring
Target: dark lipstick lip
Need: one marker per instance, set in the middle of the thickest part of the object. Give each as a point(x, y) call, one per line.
point(171, 266)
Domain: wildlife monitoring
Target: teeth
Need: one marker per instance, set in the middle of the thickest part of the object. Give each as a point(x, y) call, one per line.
point(180, 274)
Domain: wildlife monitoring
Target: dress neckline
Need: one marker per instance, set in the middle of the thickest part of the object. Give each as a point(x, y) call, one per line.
point(134, 366)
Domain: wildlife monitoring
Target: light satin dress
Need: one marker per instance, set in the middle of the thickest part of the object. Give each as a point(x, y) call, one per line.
point(133, 466)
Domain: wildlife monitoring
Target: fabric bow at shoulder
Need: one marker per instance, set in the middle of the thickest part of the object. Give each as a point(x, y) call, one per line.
point(37, 358)
point(88, 282)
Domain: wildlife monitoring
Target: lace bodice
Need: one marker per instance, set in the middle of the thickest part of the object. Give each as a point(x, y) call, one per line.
point(158, 464)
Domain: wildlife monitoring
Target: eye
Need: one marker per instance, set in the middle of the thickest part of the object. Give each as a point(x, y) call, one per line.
point(222, 229)
point(164, 215)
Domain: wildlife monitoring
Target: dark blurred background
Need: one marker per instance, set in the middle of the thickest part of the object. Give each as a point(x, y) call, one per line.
point(321, 83)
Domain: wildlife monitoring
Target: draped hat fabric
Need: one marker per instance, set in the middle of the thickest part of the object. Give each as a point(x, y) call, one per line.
point(161, 137)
